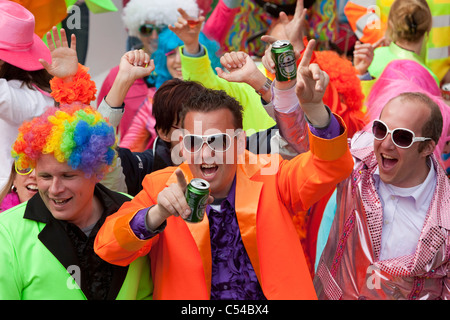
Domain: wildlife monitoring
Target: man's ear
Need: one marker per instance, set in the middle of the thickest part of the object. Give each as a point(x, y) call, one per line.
point(163, 136)
point(429, 148)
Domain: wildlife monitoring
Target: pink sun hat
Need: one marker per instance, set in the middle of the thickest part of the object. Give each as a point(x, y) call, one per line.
point(19, 45)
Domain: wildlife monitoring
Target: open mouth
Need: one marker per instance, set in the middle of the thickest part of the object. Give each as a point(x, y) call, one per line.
point(209, 170)
point(388, 161)
point(32, 188)
point(60, 202)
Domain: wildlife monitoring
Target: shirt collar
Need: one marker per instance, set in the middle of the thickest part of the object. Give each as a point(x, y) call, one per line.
point(420, 193)
point(228, 202)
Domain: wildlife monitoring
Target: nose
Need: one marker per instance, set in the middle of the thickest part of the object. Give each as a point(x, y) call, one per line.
point(177, 56)
point(56, 186)
point(207, 153)
point(387, 142)
point(154, 34)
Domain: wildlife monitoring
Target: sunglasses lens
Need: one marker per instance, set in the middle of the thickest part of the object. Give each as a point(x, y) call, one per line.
point(146, 29)
point(219, 142)
point(379, 130)
point(192, 143)
point(402, 138)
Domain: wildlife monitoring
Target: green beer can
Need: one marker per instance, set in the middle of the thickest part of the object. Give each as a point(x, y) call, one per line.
point(197, 193)
point(284, 57)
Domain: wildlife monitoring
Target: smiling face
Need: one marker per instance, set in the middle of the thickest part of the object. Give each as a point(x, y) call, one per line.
point(403, 167)
point(67, 193)
point(25, 185)
point(174, 63)
point(218, 168)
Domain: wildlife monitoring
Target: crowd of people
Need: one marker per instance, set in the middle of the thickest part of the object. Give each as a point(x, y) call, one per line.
point(333, 184)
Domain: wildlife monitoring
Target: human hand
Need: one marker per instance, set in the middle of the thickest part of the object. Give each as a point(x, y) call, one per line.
point(267, 59)
point(64, 58)
point(240, 66)
point(310, 87)
point(188, 29)
point(172, 201)
point(363, 55)
point(294, 28)
point(136, 64)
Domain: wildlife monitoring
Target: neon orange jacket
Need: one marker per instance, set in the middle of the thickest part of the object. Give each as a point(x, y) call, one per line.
point(268, 191)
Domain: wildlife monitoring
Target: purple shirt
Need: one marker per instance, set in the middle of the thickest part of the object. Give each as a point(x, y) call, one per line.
point(233, 276)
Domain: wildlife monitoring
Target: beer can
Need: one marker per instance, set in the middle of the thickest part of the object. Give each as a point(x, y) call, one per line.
point(284, 57)
point(197, 193)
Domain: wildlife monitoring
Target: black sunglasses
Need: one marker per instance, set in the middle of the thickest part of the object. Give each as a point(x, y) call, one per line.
point(147, 29)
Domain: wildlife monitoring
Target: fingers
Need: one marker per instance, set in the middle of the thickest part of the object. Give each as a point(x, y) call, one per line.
point(306, 59)
point(173, 200)
point(181, 179)
point(319, 76)
point(188, 21)
point(379, 43)
point(64, 42)
point(137, 58)
point(268, 39)
point(50, 43)
point(73, 42)
point(45, 64)
point(299, 9)
point(233, 60)
point(56, 38)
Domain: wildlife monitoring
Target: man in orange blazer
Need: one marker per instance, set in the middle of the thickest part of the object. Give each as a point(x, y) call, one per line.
point(246, 246)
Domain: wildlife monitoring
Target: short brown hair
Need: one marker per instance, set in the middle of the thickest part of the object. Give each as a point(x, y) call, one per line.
point(211, 100)
point(433, 127)
point(168, 101)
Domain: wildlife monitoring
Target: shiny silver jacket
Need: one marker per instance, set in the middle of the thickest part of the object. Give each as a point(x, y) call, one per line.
point(349, 267)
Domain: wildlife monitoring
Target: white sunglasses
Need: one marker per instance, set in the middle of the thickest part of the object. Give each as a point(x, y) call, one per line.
point(219, 142)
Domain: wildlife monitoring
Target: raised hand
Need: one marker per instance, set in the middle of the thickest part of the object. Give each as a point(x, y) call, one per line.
point(310, 88)
point(64, 58)
point(187, 31)
point(239, 65)
point(363, 55)
point(133, 65)
point(293, 30)
point(136, 64)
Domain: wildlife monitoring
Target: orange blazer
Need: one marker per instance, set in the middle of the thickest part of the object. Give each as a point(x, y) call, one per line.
point(268, 191)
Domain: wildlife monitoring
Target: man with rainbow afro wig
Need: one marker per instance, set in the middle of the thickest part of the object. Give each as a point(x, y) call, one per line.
point(47, 242)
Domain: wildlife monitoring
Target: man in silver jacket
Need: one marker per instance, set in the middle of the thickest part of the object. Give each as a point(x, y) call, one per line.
point(390, 235)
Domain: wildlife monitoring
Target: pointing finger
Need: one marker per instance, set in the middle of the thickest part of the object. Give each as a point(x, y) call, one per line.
point(181, 179)
point(306, 59)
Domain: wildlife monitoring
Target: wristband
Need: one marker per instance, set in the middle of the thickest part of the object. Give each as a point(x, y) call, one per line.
point(80, 89)
point(265, 87)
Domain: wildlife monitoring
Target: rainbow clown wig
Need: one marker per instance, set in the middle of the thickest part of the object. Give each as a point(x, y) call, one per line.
point(75, 133)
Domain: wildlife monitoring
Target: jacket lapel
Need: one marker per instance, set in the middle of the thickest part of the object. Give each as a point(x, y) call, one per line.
point(436, 228)
point(199, 232)
point(56, 240)
point(246, 206)
point(53, 235)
